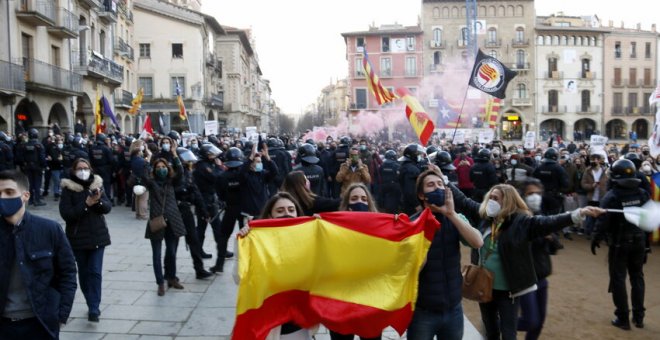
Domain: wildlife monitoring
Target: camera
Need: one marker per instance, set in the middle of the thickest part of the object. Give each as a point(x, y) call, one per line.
point(95, 191)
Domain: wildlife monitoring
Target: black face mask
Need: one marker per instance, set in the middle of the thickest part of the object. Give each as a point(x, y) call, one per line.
point(358, 206)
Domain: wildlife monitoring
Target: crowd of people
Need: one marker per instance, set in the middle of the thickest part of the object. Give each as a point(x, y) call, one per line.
point(508, 203)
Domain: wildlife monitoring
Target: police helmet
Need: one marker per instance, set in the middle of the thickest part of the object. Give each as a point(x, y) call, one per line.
point(411, 152)
point(483, 155)
point(33, 133)
point(634, 157)
point(101, 137)
point(175, 136)
point(443, 161)
point(280, 143)
point(186, 155)
point(247, 146)
point(128, 141)
point(234, 157)
point(307, 153)
point(311, 141)
point(78, 142)
point(623, 174)
point(345, 140)
point(208, 149)
point(391, 155)
point(213, 139)
point(272, 143)
point(431, 149)
point(4, 137)
point(551, 154)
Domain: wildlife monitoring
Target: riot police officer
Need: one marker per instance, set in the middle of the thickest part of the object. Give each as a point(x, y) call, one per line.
point(125, 168)
point(6, 152)
point(408, 173)
point(446, 164)
point(637, 161)
point(554, 179)
point(340, 156)
point(390, 191)
point(483, 174)
point(628, 245)
point(31, 157)
point(308, 165)
point(206, 174)
point(103, 162)
point(187, 195)
point(283, 161)
point(229, 188)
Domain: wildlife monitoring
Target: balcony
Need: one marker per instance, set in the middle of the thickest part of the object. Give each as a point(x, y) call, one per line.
point(520, 66)
point(49, 78)
point(646, 110)
point(108, 11)
point(632, 83)
point(66, 26)
point(617, 111)
point(648, 83)
point(553, 109)
point(124, 50)
point(124, 12)
point(587, 109)
point(123, 99)
point(13, 78)
point(211, 60)
point(436, 68)
point(617, 83)
point(493, 42)
point(216, 101)
point(36, 12)
point(437, 44)
point(97, 66)
point(90, 3)
point(587, 75)
point(521, 102)
point(633, 110)
point(554, 75)
point(520, 42)
point(462, 43)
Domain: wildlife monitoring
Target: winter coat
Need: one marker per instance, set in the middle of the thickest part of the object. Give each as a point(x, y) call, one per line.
point(588, 181)
point(157, 190)
point(347, 176)
point(86, 227)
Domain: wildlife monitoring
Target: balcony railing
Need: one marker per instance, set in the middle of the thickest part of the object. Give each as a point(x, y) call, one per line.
point(211, 60)
point(37, 12)
point(521, 102)
point(632, 82)
point(520, 42)
point(554, 109)
point(437, 68)
point(587, 109)
point(124, 50)
point(618, 111)
point(216, 100)
point(520, 66)
point(648, 83)
point(13, 77)
point(51, 78)
point(586, 75)
point(125, 12)
point(462, 43)
point(554, 75)
point(90, 3)
point(617, 83)
point(108, 11)
point(98, 66)
point(437, 44)
point(66, 25)
point(123, 98)
point(493, 42)
point(633, 110)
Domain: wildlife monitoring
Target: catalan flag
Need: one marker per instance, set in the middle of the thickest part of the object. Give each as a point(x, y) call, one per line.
point(354, 272)
point(179, 101)
point(490, 75)
point(419, 119)
point(136, 103)
point(492, 112)
point(655, 195)
point(382, 94)
point(97, 113)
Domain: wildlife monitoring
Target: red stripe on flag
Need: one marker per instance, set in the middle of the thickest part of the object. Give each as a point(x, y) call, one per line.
point(312, 310)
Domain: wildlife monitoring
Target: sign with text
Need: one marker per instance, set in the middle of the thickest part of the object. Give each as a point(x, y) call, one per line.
point(251, 134)
point(598, 142)
point(530, 140)
point(486, 136)
point(459, 138)
point(210, 127)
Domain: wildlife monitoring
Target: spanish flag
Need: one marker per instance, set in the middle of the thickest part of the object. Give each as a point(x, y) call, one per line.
point(136, 102)
point(354, 272)
point(419, 119)
point(179, 101)
point(97, 113)
point(382, 94)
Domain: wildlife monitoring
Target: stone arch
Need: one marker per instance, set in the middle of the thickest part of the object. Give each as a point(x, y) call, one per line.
point(454, 12)
point(510, 11)
point(584, 128)
point(616, 129)
point(211, 115)
point(540, 40)
point(26, 115)
point(58, 115)
point(482, 11)
point(445, 12)
point(127, 127)
point(641, 126)
point(552, 126)
point(491, 11)
point(436, 12)
point(501, 11)
point(520, 11)
point(511, 125)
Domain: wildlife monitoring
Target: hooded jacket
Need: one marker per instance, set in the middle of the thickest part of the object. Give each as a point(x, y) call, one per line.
point(86, 227)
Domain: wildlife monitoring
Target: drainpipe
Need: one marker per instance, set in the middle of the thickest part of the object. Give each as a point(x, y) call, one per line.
point(10, 122)
point(71, 99)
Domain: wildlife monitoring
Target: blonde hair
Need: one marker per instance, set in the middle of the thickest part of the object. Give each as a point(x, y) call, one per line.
point(511, 202)
point(135, 146)
point(346, 196)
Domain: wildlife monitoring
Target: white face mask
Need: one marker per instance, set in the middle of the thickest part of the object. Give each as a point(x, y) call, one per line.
point(514, 162)
point(83, 174)
point(534, 202)
point(492, 208)
point(646, 168)
point(142, 148)
point(166, 147)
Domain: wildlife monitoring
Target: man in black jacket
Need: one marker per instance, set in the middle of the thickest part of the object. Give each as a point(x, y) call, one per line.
point(31, 157)
point(38, 283)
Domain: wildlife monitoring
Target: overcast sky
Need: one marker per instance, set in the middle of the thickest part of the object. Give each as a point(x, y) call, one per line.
point(300, 46)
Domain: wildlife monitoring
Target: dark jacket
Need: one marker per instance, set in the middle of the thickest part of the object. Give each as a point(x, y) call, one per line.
point(613, 226)
point(49, 273)
point(85, 226)
point(322, 204)
point(157, 190)
point(255, 193)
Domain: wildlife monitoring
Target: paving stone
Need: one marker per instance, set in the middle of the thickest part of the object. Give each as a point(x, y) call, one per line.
point(147, 313)
point(209, 322)
point(106, 325)
point(64, 335)
point(157, 328)
point(176, 299)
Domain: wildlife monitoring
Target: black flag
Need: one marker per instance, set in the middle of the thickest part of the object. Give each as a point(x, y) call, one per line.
point(490, 75)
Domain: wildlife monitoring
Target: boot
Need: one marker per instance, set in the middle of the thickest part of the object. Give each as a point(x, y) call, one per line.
point(202, 274)
point(161, 289)
point(174, 283)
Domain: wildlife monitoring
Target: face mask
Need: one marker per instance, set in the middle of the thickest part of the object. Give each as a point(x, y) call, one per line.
point(645, 152)
point(646, 168)
point(594, 164)
point(436, 197)
point(359, 206)
point(194, 146)
point(534, 202)
point(259, 167)
point(161, 173)
point(492, 208)
point(420, 158)
point(10, 206)
point(520, 150)
point(363, 147)
point(60, 146)
point(166, 147)
point(538, 158)
point(83, 174)
point(514, 162)
point(142, 148)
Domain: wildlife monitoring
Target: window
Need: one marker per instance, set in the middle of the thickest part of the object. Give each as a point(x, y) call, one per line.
point(386, 67)
point(182, 86)
point(411, 66)
point(647, 50)
point(520, 59)
point(647, 107)
point(145, 50)
point(632, 103)
point(359, 68)
point(437, 58)
point(55, 55)
point(632, 73)
point(147, 83)
point(492, 35)
point(552, 67)
point(437, 36)
point(617, 99)
point(410, 43)
point(586, 74)
point(359, 44)
point(464, 37)
point(385, 44)
point(521, 91)
point(633, 49)
point(520, 35)
point(102, 42)
point(553, 100)
point(177, 51)
point(617, 49)
point(493, 54)
point(647, 77)
point(361, 98)
point(586, 101)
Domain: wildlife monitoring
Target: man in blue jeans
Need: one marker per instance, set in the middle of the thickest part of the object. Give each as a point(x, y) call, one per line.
point(38, 280)
point(438, 311)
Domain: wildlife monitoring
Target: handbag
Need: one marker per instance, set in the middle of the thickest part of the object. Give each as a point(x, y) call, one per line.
point(477, 282)
point(159, 222)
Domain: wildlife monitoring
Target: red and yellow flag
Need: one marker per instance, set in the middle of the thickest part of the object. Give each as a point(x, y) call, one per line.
point(136, 102)
point(179, 101)
point(354, 272)
point(98, 125)
point(382, 94)
point(419, 119)
point(655, 195)
point(492, 112)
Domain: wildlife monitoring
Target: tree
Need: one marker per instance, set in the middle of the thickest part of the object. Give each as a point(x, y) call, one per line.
point(286, 124)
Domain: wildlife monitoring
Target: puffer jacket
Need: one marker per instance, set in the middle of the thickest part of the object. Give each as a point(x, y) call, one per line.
point(86, 227)
point(171, 212)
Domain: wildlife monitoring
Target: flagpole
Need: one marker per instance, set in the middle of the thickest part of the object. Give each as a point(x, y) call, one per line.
point(459, 114)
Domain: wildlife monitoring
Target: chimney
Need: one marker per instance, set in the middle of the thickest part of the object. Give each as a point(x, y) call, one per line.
point(611, 23)
point(653, 28)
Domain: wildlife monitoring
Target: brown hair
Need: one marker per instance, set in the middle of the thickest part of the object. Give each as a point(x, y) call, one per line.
point(135, 146)
point(511, 203)
point(265, 213)
point(346, 196)
point(419, 184)
point(294, 184)
point(170, 171)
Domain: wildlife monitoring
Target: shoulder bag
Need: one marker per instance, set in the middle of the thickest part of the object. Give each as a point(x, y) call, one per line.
point(159, 223)
point(477, 282)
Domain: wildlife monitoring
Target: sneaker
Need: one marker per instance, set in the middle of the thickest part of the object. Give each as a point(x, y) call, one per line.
point(93, 318)
point(625, 325)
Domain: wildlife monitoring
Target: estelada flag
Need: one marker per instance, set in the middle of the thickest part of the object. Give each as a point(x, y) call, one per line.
point(416, 114)
point(354, 272)
point(490, 75)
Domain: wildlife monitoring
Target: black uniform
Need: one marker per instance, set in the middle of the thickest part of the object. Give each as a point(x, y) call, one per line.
point(484, 176)
point(6, 156)
point(390, 191)
point(314, 175)
point(102, 161)
point(31, 157)
point(187, 196)
point(229, 188)
point(408, 173)
point(206, 175)
point(627, 250)
point(554, 179)
point(125, 168)
point(282, 159)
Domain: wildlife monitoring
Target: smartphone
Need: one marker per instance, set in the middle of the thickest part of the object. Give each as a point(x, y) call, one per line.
point(95, 191)
point(259, 144)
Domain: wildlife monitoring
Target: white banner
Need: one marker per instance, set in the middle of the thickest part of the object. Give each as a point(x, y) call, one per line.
point(530, 140)
point(186, 137)
point(459, 138)
point(486, 136)
point(251, 134)
point(210, 127)
point(597, 143)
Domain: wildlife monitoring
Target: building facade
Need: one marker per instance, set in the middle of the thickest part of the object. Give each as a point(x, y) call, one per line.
point(504, 30)
point(332, 102)
point(569, 87)
point(124, 55)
